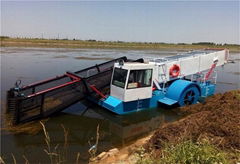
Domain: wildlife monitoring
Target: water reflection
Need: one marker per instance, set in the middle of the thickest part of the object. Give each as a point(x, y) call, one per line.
point(81, 122)
point(32, 64)
point(125, 128)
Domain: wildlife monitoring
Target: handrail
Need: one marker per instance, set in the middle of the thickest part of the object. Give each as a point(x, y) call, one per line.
point(124, 57)
point(42, 82)
point(62, 85)
point(53, 88)
point(61, 76)
point(93, 87)
point(73, 76)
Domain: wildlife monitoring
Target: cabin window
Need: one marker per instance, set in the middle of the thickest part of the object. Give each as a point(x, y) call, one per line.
point(119, 77)
point(140, 78)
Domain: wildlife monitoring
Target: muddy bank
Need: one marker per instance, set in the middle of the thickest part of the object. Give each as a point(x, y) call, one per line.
point(217, 122)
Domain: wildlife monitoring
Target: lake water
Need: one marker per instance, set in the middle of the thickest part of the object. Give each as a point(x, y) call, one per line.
point(33, 64)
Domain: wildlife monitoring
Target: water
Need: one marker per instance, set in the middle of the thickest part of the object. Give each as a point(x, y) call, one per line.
point(33, 64)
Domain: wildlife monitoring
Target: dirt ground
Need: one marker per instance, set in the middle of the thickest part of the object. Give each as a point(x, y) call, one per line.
point(217, 121)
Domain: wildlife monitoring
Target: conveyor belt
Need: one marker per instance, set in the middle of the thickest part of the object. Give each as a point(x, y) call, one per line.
point(189, 63)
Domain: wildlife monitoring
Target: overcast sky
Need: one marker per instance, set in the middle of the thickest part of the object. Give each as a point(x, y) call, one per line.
point(163, 21)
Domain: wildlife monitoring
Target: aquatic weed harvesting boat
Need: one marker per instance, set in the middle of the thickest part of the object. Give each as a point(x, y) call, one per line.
point(122, 86)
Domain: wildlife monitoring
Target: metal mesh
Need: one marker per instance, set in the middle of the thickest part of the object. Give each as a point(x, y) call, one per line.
point(50, 102)
point(53, 95)
point(101, 81)
point(43, 86)
point(28, 108)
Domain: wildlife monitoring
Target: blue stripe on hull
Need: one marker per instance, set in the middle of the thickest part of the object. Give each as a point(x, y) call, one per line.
point(119, 107)
point(173, 95)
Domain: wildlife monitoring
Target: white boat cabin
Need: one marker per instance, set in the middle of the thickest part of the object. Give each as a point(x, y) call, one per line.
point(132, 81)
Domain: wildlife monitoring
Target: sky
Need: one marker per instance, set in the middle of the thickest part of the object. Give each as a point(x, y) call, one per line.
point(134, 21)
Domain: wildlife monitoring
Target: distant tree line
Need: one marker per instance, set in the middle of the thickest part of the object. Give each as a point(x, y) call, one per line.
point(4, 37)
point(119, 41)
point(214, 44)
point(204, 43)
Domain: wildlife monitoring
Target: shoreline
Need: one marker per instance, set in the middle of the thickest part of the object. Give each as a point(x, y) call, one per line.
point(51, 43)
point(211, 126)
point(199, 120)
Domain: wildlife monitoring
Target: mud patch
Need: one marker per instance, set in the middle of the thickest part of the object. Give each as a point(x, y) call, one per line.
point(39, 54)
point(7, 52)
point(60, 56)
point(236, 73)
point(217, 121)
point(96, 55)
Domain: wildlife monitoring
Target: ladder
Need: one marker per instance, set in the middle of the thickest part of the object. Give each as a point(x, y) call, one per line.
point(163, 75)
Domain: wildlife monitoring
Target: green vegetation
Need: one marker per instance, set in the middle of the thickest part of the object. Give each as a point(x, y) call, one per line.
point(4, 37)
point(66, 43)
point(188, 152)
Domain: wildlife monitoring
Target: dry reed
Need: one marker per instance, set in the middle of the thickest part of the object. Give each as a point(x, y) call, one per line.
point(14, 159)
point(93, 149)
point(78, 156)
point(56, 155)
point(1, 160)
point(26, 160)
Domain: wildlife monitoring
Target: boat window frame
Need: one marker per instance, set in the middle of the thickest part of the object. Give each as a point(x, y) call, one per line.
point(126, 76)
point(150, 84)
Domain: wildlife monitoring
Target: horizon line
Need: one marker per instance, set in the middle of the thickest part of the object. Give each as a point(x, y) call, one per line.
point(120, 41)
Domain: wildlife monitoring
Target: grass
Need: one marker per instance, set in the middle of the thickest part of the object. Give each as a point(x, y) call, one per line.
point(189, 153)
point(184, 152)
point(93, 148)
point(65, 43)
point(58, 154)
